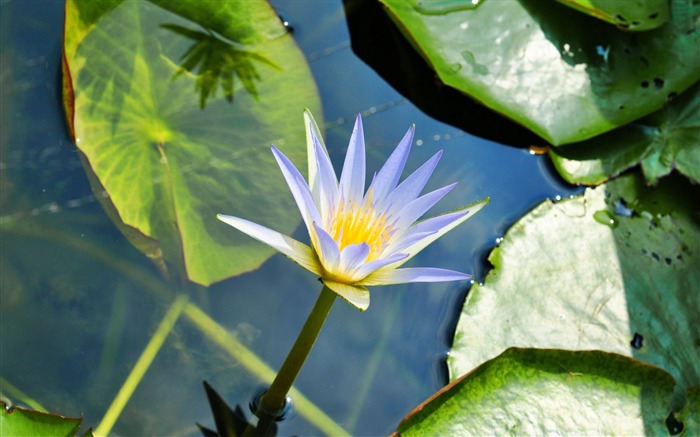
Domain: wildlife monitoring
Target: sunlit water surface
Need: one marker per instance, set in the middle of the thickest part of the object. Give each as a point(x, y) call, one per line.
point(73, 326)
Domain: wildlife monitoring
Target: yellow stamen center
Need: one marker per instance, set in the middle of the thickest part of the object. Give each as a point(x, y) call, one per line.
point(351, 223)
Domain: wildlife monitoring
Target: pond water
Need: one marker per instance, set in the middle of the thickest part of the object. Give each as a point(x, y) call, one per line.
point(76, 310)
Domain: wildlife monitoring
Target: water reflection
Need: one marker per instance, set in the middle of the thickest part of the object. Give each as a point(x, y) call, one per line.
point(210, 59)
point(391, 361)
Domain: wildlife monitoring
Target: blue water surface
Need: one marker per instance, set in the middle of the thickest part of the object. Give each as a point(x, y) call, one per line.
point(73, 328)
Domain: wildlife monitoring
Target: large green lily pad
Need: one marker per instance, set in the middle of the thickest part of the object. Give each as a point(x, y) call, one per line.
point(22, 422)
point(690, 415)
point(575, 275)
point(666, 140)
point(564, 75)
point(173, 106)
point(634, 15)
point(549, 392)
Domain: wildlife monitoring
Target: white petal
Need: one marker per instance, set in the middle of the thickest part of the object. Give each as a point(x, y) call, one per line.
point(412, 186)
point(313, 136)
point(352, 256)
point(365, 269)
point(299, 188)
point(388, 177)
point(416, 247)
point(407, 241)
point(327, 184)
point(424, 229)
point(415, 209)
point(355, 295)
point(352, 179)
point(414, 274)
point(327, 249)
point(297, 251)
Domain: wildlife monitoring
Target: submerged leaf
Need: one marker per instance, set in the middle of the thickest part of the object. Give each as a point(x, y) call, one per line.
point(228, 422)
point(211, 59)
point(166, 165)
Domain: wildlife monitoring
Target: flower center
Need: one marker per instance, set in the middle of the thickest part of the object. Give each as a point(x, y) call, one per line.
point(352, 223)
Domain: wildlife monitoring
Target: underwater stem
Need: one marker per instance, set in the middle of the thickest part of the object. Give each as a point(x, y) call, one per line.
point(273, 402)
point(214, 331)
point(144, 362)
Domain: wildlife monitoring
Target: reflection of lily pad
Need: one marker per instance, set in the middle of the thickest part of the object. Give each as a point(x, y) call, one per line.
point(574, 275)
point(549, 392)
point(665, 140)
point(211, 59)
point(564, 75)
point(168, 166)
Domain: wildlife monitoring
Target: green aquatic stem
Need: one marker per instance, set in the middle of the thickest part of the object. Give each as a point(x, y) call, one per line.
point(374, 364)
point(259, 369)
point(275, 398)
point(216, 333)
point(144, 362)
point(6, 388)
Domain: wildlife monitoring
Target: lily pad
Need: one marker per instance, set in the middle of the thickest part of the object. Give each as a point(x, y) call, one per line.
point(22, 422)
point(565, 76)
point(585, 274)
point(666, 140)
point(634, 15)
point(549, 392)
point(690, 415)
point(166, 150)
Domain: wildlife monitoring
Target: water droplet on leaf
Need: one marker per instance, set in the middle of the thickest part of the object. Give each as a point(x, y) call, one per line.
point(605, 218)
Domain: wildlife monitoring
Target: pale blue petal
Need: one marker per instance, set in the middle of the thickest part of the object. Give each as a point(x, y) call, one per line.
point(424, 229)
point(412, 186)
point(297, 251)
point(327, 184)
point(356, 295)
point(327, 249)
point(414, 274)
point(415, 209)
point(299, 188)
point(313, 137)
point(352, 179)
point(453, 220)
point(407, 241)
point(367, 268)
point(352, 255)
point(390, 173)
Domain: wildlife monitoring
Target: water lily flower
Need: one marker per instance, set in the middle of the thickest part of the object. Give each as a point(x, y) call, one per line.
point(359, 238)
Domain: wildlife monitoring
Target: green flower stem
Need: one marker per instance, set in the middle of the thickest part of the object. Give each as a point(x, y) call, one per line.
point(144, 362)
point(275, 398)
point(216, 333)
point(229, 344)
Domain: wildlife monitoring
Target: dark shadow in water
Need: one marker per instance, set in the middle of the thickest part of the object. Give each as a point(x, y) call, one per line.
point(210, 59)
point(233, 422)
point(376, 40)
